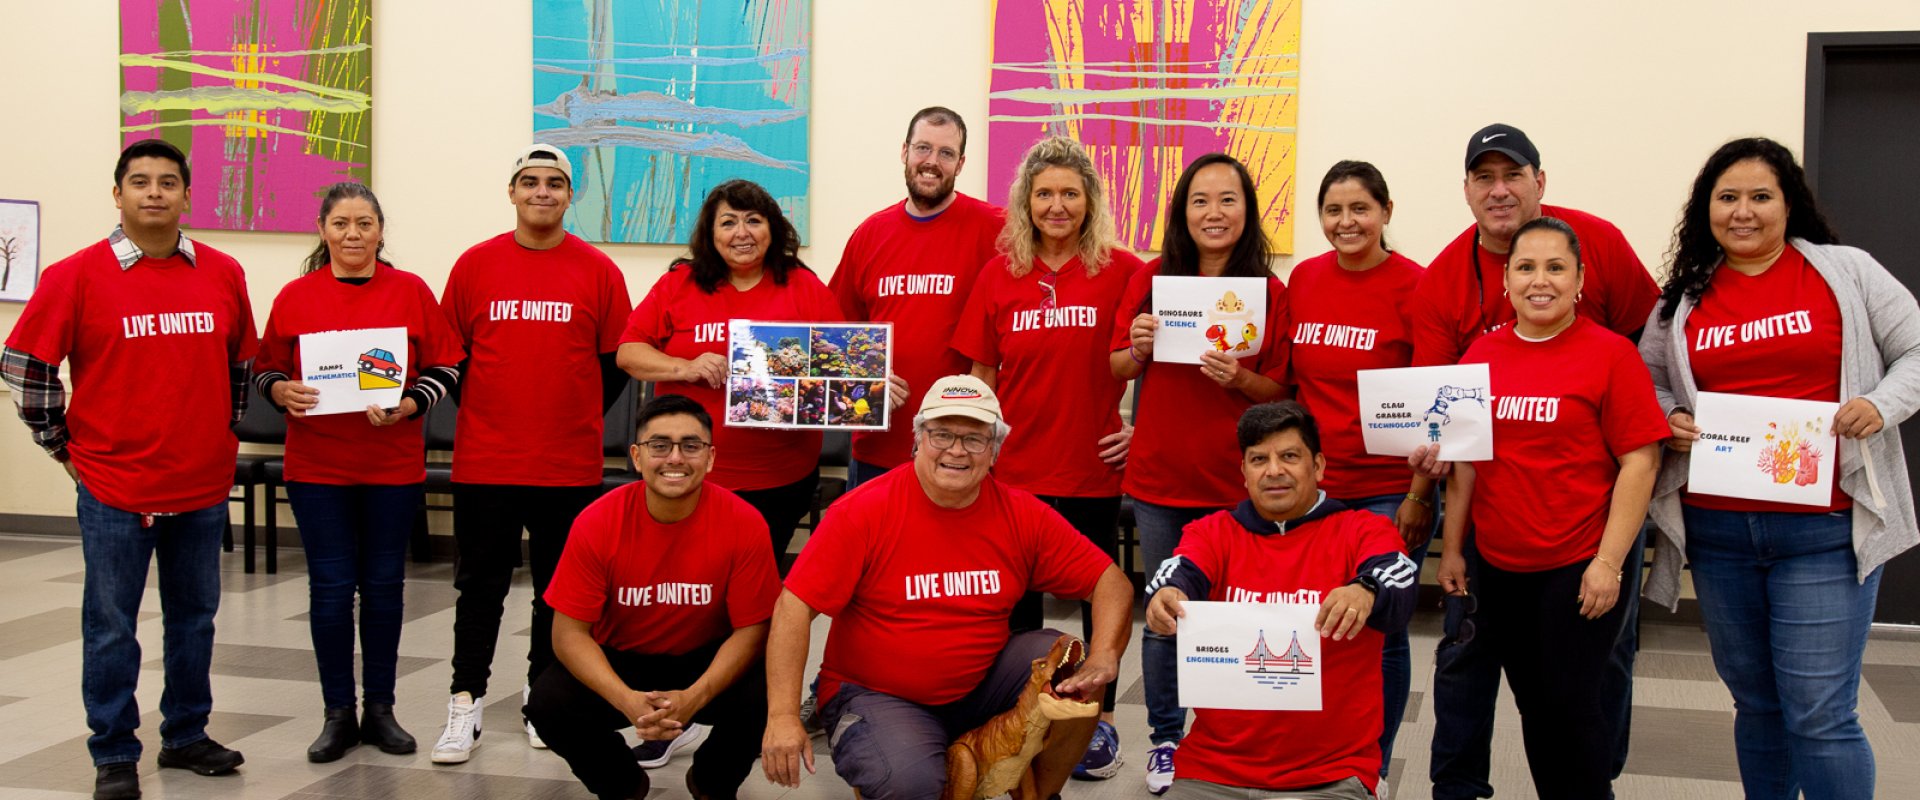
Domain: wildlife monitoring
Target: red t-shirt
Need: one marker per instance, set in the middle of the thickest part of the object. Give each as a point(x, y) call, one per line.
point(1059, 393)
point(344, 449)
point(665, 589)
point(1542, 502)
point(1775, 334)
point(1292, 749)
point(1452, 309)
point(1343, 322)
point(151, 412)
point(916, 274)
point(534, 323)
point(1185, 452)
point(932, 586)
point(680, 320)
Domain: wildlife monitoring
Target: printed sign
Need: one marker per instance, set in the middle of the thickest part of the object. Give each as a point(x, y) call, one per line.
point(1451, 406)
point(355, 369)
point(1197, 314)
point(808, 375)
point(1250, 656)
point(1764, 448)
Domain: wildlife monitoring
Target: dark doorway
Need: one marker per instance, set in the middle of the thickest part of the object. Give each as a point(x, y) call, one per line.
point(1863, 107)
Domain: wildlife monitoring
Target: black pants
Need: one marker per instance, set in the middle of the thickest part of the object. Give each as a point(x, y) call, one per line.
point(487, 520)
point(1556, 663)
point(782, 507)
point(583, 728)
point(1098, 519)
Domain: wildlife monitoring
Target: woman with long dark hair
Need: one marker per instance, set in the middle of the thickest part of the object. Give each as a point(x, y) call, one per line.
point(1786, 591)
point(355, 480)
point(1185, 453)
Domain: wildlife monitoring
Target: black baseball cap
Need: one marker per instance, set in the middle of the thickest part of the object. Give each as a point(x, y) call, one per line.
point(1499, 138)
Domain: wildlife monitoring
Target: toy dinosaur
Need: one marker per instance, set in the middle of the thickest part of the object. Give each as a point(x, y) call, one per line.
point(1030, 749)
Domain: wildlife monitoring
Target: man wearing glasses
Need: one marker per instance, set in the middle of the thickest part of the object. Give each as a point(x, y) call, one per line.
point(913, 264)
point(919, 570)
point(661, 601)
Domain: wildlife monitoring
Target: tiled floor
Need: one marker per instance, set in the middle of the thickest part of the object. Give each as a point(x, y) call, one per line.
point(267, 704)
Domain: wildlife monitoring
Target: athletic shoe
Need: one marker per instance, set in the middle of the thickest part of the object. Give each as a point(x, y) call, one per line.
point(462, 733)
point(1160, 767)
point(204, 757)
point(117, 781)
point(1380, 790)
point(1102, 760)
point(655, 753)
point(533, 736)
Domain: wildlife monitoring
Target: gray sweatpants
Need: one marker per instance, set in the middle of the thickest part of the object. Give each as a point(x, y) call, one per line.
point(1349, 789)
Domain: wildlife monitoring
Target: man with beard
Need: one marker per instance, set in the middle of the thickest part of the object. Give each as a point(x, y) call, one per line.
point(913, 264)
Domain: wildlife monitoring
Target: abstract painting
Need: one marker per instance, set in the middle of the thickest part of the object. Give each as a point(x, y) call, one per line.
point(1147, 86)
point(19, 249)
point(271, 100)
point(658, 101)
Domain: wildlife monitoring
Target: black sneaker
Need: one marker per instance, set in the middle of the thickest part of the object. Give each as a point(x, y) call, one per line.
point(204, 757)
point(117, 782)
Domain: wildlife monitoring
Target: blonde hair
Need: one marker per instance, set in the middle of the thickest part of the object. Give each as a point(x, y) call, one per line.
point(1097, 237)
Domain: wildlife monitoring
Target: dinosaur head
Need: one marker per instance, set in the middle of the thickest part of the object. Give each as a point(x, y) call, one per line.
point(1060, 663)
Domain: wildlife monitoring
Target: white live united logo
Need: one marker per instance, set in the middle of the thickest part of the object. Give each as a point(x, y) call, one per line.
point(964, 583)
point(533, 310)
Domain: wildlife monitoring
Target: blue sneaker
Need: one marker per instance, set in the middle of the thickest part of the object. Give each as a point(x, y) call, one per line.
point(1160, 768)
point(1102, 760)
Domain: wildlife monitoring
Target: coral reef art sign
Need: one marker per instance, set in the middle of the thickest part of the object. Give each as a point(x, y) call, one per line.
point(1764, 448)
point(271, 100)
point(808, 375)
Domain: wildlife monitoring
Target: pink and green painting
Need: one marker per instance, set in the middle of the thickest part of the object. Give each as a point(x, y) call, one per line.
point(271, 100)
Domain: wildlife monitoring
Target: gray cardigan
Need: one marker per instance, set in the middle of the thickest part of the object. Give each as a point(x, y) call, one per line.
point(1879, 360)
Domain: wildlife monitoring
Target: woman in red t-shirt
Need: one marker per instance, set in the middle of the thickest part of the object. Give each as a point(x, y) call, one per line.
point(1037, 327)
point(743, 263)
point(1763, 301)
point(1349, 310)
point(355, 479)
point(1184, 460)
point(1576, 443)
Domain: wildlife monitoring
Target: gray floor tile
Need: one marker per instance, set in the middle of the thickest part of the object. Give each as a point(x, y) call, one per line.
point(1674, 666)
point(11, 549)
point(280, 663)
point(364, 781)
point(65, 766)
point(36, 632)
point(1683, 743)
point(1898, 688)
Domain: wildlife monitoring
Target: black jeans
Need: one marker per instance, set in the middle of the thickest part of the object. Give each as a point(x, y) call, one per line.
point(487, 520)
point(583, 728)
point(1098, 519)
point(1557, 663)
point(782, 507)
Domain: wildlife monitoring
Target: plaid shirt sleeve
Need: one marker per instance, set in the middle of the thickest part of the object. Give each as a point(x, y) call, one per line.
point(40, 398)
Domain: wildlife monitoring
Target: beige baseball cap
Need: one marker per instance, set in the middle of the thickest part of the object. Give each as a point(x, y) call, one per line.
point(961, 396)
point(542, 155)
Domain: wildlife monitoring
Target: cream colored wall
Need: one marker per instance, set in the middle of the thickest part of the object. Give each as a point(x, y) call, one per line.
point(1624, 100)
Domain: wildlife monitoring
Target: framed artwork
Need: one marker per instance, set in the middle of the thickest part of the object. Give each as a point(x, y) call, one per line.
point(19, 249)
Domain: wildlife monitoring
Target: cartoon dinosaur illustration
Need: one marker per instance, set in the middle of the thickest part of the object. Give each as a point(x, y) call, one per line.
point(1217, 336)
point(1447, 396)
point(1030, 749)
point(1248, 334)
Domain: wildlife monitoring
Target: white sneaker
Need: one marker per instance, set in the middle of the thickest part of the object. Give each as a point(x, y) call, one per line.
point(1380, 790)
point(1160, 767)
point(462, 733)
point(655, 754)
point(533, 736)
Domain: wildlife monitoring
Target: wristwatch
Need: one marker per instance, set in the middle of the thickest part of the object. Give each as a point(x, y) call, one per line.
point(1368, 583)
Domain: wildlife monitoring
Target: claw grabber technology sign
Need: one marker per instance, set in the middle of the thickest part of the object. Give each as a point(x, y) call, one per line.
point(1257, 656)
point(1452, 406)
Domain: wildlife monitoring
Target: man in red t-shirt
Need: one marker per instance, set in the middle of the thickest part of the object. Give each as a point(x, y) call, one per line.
point(159, 332)
point(913, 264)
point(1289, 540)
point(919, 569)
point(539, 312)
point(1460, 299)
point(661, 603)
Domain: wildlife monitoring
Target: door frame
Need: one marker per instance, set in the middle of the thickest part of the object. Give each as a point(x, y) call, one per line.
point(1819, 47)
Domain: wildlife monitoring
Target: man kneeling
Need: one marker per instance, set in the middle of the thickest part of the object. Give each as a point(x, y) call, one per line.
point(661, 602)
point(1289, 538)
point(919, 569)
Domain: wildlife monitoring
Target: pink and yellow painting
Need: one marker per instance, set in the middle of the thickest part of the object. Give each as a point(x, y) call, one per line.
point(1147, 86)
point(271, 100)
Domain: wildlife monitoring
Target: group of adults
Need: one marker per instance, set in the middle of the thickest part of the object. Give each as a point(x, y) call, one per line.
point(660, 606)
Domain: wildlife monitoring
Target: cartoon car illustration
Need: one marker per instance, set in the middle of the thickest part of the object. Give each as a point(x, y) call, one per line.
point(380, 362)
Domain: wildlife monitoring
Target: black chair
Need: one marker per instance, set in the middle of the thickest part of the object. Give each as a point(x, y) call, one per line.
point(836, 450)
point(618, 436)
point(263, 424)
point(439, 439)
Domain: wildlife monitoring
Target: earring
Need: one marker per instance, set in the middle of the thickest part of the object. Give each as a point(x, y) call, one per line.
point(1579, 296)
point(1503, 292)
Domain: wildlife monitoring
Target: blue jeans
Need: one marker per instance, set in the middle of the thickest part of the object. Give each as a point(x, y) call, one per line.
point(1787, 622)
point(859, 472)
point(117, 548)
point(1396, 658)
point(355, 539)
point(1159, 528)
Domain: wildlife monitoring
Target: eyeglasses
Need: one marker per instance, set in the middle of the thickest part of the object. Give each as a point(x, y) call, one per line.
point(947, 154)
point(1049, 297)
point(973, 442)
point(661, 448)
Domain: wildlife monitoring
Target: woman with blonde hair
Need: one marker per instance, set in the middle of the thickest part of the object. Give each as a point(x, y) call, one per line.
point(1037, 328)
